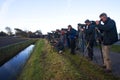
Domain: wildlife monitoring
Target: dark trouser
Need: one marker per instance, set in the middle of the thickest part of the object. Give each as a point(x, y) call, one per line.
point(72, 46)
point(82, 45)
point(68, 42)
point(90, 49)
point(60, 46)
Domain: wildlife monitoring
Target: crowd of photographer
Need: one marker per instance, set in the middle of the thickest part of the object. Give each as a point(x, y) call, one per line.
point(89, 34)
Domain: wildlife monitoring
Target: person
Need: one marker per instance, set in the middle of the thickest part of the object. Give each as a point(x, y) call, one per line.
point(72, 37)
point(89, 37)
point(59, 46)
point(109, 36)
point(81, 40)
point(78, 40)
point(68, 39)
point(63, 37)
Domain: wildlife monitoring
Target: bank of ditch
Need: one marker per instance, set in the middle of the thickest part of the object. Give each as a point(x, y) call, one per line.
point(10, 51)
point(90, 69)
point(47, 64)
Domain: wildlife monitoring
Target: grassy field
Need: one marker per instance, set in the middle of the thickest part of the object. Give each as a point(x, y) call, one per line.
point(5, 41)
point(9, 51)
point(115, 48)
point(46, 64)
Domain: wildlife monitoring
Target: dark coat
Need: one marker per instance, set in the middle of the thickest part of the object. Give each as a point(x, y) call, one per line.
point(72, 33)
point(90, 33)
point(109, 32)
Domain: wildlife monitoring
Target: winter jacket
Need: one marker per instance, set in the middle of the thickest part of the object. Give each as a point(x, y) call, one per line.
point(90, 33)
point(109, 32)
point(72, 33)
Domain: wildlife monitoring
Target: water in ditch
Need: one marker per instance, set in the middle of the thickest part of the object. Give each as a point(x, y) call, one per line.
point(11, 69)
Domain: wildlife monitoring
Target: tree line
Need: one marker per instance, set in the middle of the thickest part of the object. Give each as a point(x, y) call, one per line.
point(21, 33)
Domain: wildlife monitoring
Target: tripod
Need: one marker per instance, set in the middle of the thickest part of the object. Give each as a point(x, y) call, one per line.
point(86, 48)
point(99, 36)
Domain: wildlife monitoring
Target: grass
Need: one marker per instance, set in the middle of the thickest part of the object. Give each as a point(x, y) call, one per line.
point(33, 69)
point(8, 52)
point(47, 64)
point(93, 71)
point(115, 48)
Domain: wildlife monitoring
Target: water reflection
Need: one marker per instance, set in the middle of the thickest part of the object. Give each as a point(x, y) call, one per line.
point(12, 68)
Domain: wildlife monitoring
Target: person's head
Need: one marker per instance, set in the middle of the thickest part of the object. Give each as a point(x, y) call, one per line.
point(103, 17)
point(87, 22)
point(62, 31)
point(69, 27)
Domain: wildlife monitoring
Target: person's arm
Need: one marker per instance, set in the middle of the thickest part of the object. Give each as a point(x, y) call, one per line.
point(107, 26)
point(90, 30)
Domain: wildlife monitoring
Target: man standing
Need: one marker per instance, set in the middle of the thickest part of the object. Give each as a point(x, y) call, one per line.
point(109, 33)
point(81, 37)
point(72, 36)
point(90, 37)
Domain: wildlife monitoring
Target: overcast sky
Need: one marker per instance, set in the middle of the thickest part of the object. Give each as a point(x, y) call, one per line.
point(47, 15)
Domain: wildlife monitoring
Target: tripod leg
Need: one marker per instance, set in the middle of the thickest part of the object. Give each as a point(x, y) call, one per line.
point(100, 45)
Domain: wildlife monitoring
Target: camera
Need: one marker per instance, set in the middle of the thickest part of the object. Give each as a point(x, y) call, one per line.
point(81, 25)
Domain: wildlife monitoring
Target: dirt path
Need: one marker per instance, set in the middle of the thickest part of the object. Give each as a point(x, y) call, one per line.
point(117, 43)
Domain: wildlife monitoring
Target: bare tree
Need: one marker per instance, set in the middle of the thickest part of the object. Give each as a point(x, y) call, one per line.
point(9, 31)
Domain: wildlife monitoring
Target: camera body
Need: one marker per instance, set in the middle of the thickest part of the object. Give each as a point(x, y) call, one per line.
point(81, 24)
